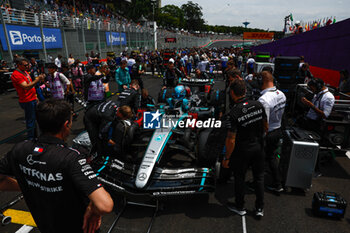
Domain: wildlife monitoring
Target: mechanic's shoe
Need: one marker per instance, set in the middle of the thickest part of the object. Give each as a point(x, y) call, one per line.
point(277, 189)
point(317, 174)
point(259, 213)
point(234, 208)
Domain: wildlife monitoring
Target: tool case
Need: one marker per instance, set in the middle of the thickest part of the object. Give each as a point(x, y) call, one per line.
point(328, 204)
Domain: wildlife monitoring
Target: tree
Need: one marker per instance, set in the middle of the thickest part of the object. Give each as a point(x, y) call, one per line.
point(193, 16)
point(174, 13)
point(135, 9)
point(189, 16)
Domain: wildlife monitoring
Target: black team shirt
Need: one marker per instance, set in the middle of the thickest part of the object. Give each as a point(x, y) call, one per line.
point(246, 118)
point(55, 181)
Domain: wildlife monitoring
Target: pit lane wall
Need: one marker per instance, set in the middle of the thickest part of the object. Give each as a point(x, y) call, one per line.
point(326, 49)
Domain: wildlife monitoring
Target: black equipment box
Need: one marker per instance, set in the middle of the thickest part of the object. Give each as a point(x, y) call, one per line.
point(287, 64)
point(262, 57)
point(328, 204)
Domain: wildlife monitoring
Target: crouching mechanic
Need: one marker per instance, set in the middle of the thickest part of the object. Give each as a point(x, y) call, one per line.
point(246, 125)
point(59, 187)
point(100, 120)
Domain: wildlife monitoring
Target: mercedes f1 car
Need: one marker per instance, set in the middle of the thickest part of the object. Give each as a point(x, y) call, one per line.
point(174, 153)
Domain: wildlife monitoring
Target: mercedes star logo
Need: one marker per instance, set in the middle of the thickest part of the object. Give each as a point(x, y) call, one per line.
point(142, 176)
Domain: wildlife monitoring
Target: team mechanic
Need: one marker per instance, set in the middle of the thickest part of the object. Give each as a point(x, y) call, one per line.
point(99, 120)
point(274, 102)
point(59, 187)
point(171, 76)
point(244, 146)
point(137, 70)
point(131, 96)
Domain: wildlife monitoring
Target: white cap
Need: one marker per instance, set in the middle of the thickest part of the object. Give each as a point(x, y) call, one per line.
point(172, 60)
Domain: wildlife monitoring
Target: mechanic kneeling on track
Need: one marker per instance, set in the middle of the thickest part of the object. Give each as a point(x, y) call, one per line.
point(274, 102)
point(247, 125)
point(53, 177)
point(100, 120)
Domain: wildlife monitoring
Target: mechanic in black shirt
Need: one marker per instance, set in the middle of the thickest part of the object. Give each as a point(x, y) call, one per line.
point(59, 187)
point(100, 119)
point(201, 75)
point(247, 125)
point(153, 62)
point(131, 96)
point(171, 76)
point(136, 71)
point(160, 67)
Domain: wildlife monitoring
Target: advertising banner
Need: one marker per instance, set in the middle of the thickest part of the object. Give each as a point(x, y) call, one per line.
point(170, 40)
point(29, 38)
point(258, 35)
point(114, 37)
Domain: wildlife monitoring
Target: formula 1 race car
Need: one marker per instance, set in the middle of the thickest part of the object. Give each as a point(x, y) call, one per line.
point(200, 92)
point(174, 153)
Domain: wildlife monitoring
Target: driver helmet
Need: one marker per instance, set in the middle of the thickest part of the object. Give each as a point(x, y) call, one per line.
point(180, 92)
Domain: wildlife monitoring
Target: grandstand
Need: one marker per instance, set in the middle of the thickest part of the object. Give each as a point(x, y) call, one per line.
point(81, 28)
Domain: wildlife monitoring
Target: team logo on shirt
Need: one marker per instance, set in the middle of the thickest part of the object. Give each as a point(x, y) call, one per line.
point(31, 161)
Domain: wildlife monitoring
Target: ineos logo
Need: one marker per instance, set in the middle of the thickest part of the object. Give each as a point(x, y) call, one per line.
point(142, 176)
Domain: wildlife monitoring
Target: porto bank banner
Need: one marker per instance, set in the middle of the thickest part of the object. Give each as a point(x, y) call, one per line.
point(29, 38)
point(115, 38)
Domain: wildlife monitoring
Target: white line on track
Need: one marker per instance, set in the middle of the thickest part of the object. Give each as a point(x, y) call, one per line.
point(244, 224)
point(24, 229)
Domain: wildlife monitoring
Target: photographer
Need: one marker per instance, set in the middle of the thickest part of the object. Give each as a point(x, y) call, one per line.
point(25, 87)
